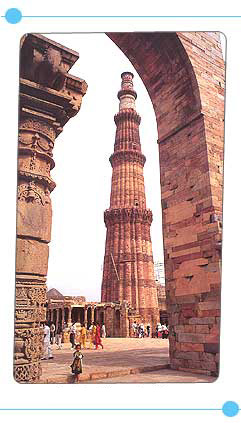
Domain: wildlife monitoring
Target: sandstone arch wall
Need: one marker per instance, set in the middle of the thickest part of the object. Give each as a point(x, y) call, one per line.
point(184, 75)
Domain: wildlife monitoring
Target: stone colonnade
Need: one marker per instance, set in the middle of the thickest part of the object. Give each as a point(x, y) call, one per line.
point(49, 97)
point(115, 317)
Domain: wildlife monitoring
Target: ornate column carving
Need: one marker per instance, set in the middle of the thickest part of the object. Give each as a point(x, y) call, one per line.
point(69, 316)
point(49, 97)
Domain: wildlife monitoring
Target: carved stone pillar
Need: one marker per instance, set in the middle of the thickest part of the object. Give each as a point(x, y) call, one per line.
point(85, 315)
point(69, 316)
point(57, 318)
point(49, 97)
point(78, 314)
point(62, 321)
point(92, 314)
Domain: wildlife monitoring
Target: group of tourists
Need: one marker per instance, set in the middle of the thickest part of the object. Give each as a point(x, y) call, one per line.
point(140, 331)
point(77, 336)
point(92, 336)
point(162, 331)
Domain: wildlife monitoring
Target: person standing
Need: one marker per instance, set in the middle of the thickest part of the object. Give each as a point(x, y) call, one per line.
point(164, 331)
point(83, 333)
point(59, 334)
point(134, 328)
point(97, 337)
point(103, 331)
point(159, 330)
point(47, 354)
point(141, 330)
point(72, 335)
point(93, 333)
point(76, 366)
point(148, 329)
point(52, 333)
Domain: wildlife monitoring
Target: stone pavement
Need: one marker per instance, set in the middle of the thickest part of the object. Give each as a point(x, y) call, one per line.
point(125, 357)
point(120, 356)
point(158, 376)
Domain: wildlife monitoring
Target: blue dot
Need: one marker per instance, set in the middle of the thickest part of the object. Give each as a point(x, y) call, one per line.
point(230, 408)
point(13, 16)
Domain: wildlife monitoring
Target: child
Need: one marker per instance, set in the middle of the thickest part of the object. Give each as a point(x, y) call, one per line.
point(77, 363)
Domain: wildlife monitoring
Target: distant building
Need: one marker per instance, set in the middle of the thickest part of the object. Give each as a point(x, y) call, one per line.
point(118, 316)
point(161, 295)
point(128, 273)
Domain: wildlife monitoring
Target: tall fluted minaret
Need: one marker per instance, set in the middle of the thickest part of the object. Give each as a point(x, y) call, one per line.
point(128, 272)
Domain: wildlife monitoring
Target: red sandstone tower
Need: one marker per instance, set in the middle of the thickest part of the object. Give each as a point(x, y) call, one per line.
point(128, 272)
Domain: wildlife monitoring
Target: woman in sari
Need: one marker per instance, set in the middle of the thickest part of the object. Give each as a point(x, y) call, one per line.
point(92, 332)
point(97, 337)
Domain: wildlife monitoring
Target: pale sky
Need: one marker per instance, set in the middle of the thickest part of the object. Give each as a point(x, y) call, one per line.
point(83, 172)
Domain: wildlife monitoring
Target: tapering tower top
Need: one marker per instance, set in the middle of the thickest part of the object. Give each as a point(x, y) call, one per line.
point(127, 95)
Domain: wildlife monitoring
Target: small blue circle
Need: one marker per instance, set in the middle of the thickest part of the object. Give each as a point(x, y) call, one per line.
point(13, 16)
point(230, 408)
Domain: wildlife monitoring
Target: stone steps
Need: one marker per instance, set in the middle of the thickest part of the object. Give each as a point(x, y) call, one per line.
point(68, 378)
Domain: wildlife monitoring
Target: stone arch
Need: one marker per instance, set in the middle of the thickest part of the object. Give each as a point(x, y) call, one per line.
point(165, 68)
point(184, 76)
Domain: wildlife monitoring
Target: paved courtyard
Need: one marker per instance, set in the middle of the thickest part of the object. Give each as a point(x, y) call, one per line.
point(122, 360)
point(157, 376)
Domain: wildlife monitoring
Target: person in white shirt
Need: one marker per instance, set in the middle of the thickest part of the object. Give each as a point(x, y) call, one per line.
point(164, 331)
point(103, 331)
point(134, 328)
point(47, 346)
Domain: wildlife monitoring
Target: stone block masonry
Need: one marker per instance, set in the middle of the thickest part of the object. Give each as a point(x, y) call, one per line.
point(184, 74)
point(49, 97)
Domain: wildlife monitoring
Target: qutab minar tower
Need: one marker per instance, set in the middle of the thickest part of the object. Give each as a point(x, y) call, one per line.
point(128, 272)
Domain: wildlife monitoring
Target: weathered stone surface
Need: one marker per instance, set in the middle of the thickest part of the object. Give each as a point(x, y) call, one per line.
point(46, 87)
point(190, 119)
point(202, 321)
point(211, 348)
point(190, 337)
point(34, 220)
point(202, 329)
point(31, 257)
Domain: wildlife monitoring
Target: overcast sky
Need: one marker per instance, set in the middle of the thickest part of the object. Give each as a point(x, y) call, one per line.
point(83, 172)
